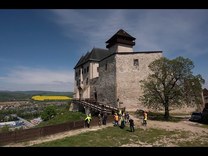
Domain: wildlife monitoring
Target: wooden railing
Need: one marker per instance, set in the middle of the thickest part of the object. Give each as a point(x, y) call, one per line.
point(34, 133)
point(95, 105)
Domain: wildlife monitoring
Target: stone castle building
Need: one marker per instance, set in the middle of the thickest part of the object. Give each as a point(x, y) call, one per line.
point(112, 76)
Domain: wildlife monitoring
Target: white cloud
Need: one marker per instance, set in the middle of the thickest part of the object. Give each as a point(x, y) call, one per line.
point(176, 32)
point(24, 78)
point(173, 31)
point(90, 26)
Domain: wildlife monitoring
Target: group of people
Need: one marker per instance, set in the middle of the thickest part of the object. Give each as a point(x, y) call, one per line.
point(124, 118)
point(119, 117)
point(102, 119)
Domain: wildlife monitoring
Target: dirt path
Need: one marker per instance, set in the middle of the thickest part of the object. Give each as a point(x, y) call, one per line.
point(185, 125)
point(192, 129)
point(182, 125)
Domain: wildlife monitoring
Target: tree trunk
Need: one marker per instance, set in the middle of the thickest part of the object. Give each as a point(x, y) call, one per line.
point(166, 116)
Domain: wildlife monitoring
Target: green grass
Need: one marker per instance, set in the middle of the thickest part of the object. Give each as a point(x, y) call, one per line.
point(110, 137)
point(63, 116)
point(115, 137)
point(180, 114)
point(160, 117)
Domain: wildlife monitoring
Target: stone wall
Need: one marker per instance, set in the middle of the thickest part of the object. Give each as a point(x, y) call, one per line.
point(122, 79)
point(121, 48)
point(105, 86)
point(128, 77)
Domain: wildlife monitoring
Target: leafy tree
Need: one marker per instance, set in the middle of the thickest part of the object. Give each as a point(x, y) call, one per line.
point(48, 113)
point(171, 83)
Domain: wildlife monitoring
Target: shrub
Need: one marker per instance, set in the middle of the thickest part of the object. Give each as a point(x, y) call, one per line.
point(48, 113)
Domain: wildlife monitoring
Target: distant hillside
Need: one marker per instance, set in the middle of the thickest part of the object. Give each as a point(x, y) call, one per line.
point(45, 93)
point(26, 95)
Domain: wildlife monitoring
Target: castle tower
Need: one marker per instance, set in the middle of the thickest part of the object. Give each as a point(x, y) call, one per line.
point(121, 42)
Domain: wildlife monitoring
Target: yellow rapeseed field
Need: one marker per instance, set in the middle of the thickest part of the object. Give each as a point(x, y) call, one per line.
point(55, 98)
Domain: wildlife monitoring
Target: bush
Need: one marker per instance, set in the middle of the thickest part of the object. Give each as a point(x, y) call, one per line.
point(48, 113)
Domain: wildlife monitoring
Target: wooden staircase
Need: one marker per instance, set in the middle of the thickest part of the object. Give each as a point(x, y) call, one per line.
point(96, 106)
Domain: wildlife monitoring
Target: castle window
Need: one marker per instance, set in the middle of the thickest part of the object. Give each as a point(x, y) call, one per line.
point(136, 62)
point(87, 69)
point(97, 69)
point(76, 74)
point(79, 71)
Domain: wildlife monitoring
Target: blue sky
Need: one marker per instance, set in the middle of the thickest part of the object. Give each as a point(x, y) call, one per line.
point(39, 48)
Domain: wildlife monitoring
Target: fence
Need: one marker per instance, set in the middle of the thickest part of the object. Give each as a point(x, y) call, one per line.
point(33, 133)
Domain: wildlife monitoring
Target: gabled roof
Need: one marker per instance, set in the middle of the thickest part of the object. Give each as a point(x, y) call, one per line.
point(95, 55)
point(121, 33)
point(80, 60)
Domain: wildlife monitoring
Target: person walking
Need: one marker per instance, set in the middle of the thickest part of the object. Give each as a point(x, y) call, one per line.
point(131, 123)
point(122, 122)
point(116, 119)
point(105, 118)
point(88, 120)
point(145, 118)
point(127, 116)
point(99, 119)
point(120, 113)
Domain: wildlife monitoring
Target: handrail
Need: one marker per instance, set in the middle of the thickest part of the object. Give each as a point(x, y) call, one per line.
point(95, 104)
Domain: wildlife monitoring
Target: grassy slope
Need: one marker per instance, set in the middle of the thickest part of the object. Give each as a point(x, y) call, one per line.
point(111, 137)
point(63, 116)
point(115, 137)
